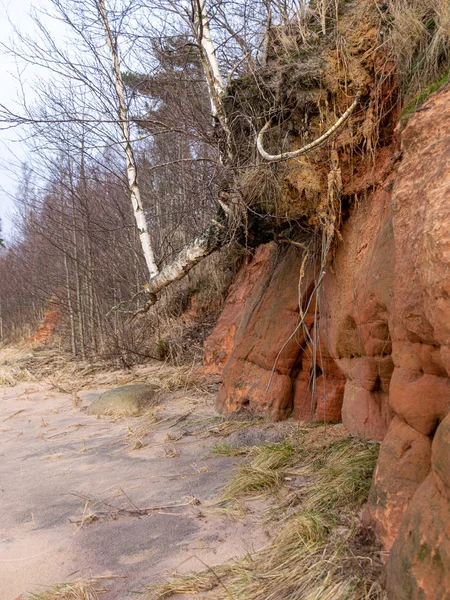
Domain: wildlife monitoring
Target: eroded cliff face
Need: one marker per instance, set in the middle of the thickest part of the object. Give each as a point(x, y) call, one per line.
point(50, 323)
point(416, 514)
point(381, 357)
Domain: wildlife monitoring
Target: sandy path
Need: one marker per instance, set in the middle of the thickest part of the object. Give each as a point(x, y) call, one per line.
point(51, 453)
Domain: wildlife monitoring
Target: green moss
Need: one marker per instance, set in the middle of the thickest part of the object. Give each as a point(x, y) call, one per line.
point(418, 100)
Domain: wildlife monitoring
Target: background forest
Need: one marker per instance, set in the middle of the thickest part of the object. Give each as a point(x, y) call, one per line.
point(76, 254)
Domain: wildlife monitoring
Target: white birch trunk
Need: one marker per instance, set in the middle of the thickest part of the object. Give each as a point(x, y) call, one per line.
point(211, 239)
point(135, 195)
point(216, 86)
point(214, 78)
point(190, 255)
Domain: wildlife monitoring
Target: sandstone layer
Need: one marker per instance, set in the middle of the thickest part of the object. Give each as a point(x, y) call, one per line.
point(374, 344)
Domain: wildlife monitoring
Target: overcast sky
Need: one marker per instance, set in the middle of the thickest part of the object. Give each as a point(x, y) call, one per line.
point(12, 152)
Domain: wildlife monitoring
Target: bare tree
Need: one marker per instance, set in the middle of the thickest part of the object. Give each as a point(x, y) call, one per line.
point(152, 85)
point(132, 174)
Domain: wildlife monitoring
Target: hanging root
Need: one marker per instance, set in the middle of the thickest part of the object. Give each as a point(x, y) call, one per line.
point(315, 144)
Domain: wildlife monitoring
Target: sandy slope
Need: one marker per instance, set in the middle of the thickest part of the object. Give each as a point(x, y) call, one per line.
point(52, 455)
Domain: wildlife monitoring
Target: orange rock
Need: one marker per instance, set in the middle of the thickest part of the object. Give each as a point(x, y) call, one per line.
point(419, 564)
point(248, 386)
point(420, 399)
point(445, 357)
point(365, 414)
point(50, 323)
point(266, 345)
point(383, 325)
point(304, 403)
point(324, 403)
point(403, 464)
point(441, 457)
point(419, 561)
point(330, 396)
point(422, 213)
point(430, 359)
point(383, 330)
point(357, 300)
point(369, 372)
point(375, 338)
point(403, 351)
point(242, 298)
point(352, 329)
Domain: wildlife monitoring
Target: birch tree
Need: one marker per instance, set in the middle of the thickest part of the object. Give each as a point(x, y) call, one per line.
point(135, 194)
point(99, 71)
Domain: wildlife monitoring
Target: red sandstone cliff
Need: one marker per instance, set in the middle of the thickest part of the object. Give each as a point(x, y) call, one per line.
point(50, 323)
point(381, 360)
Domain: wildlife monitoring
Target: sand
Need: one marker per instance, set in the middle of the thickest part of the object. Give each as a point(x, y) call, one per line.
point(59, 467)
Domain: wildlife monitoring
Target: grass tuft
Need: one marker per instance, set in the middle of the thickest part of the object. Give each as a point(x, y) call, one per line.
point(89, 589)
point(417, 102)
point(342, 476)
point(419, 40)
point(312, 554)
point(265, 471)
point(224, 449)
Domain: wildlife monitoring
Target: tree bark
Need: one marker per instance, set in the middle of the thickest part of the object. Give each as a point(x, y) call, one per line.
point(135, 193)
point(78, 289)
point(73, 345)
point(216, 86)
point(206, 243)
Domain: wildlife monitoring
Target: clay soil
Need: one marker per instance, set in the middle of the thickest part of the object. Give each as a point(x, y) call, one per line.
point(78, 500)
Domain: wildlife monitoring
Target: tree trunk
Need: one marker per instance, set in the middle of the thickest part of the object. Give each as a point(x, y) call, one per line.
point(206, 243)
point(73, 345)
point(135, 193)
point(78, 290)
point(1, 322)
point(216, 87)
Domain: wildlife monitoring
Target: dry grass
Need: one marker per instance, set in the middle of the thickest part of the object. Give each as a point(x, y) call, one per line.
point(86, 589)
point(224, 449)
point(217, 426)
point(231, 509)
point(189, 424)
point(314, 553)
point(136, 434)
point(119, 504)
point(263, 473)
point(187, 310)
point(14, 361)
point(23, 363)
point(261, 187)
point(419, 40)
point(170, 378)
